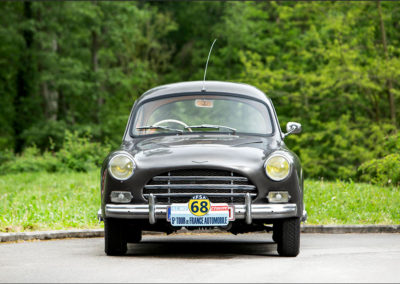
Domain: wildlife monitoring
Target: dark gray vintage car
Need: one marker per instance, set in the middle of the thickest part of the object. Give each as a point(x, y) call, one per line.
point(199, 156)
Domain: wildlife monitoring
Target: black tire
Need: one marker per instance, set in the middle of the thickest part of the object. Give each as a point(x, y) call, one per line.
point(277, 232)
point(115, 242)
point(134, 235)
point(289, 242)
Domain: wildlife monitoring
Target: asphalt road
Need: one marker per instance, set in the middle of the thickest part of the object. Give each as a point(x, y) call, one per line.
point(206, 258)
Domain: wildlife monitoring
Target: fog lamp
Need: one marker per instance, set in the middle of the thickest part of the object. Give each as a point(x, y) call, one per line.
point(121, 196)
point(278, 196)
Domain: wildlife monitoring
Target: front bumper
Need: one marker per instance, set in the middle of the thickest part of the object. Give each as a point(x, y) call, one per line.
point(247, 211)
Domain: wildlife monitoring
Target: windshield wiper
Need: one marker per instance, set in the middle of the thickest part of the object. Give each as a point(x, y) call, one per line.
point(159, 127)
point(233, 130)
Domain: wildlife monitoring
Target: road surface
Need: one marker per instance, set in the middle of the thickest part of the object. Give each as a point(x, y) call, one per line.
point(206, 258)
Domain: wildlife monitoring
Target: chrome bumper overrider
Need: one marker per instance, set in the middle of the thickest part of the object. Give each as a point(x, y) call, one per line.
point(247, 211)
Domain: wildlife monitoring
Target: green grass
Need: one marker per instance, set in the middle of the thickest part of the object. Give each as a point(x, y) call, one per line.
point(351, 203)
point(44, 201)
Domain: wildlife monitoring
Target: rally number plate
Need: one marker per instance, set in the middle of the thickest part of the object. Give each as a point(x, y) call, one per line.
point(199, 211)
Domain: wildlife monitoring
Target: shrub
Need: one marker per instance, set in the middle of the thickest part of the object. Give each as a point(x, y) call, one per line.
point(335, 150)
point(384, 171)
point(77, 154)
point(31, 160)
point(80, 154)
point(6, 155)
point(45, 135)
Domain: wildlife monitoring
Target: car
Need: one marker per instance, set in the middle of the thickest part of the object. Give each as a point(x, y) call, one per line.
point(202, 155)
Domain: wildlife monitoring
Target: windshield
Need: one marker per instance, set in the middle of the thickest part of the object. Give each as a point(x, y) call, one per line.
point(202, 113)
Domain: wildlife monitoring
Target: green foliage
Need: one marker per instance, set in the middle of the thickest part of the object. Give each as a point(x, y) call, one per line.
point(336, 149)
point(45, 135)
point(326, 68)
point(31, 160)
point(79, 154)
point(76, 64)
point(6, 155)
point(80, 66)
point(384, 171)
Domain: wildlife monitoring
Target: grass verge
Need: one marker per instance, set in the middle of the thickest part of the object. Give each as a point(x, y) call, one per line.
point(351, 203)
point(44, 201)
point(49, 201)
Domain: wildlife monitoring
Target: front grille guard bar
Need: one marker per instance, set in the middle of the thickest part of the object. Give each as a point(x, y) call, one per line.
point(247, 211)
point(200, 186)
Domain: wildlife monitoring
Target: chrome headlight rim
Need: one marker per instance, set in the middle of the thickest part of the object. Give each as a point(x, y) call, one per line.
point(127, 155)
point(286, 157)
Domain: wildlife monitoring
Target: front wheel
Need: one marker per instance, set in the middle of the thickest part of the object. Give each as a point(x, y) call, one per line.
point(115, 242)
point(134, 235)
point(288, 237)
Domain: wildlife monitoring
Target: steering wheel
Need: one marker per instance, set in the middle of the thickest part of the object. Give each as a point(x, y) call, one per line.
point(173, 121)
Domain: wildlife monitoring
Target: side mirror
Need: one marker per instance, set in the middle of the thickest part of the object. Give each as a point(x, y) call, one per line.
point(292, 127)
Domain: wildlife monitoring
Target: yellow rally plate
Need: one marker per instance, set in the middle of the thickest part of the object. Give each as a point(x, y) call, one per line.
point(199, 205)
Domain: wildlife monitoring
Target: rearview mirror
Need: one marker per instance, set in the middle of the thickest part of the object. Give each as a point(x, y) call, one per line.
point(292, 127)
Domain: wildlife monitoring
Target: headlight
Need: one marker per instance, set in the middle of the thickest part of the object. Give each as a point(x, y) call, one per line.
point(277, 167)
point(121, 166)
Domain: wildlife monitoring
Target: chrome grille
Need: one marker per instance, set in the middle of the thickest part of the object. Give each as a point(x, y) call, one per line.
point(180, 185)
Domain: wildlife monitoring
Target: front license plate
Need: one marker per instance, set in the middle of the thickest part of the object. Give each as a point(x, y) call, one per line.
point(199, 211)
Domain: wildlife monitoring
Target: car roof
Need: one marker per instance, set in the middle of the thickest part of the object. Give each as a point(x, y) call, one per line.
point(210, 86)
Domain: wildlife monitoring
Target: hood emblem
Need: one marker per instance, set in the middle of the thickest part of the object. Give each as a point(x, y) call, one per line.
point(199, 162)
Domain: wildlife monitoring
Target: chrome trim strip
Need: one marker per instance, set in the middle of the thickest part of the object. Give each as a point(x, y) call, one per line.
point(258, 211)
point(200, 186)
point(202, 178)
point(191, 194)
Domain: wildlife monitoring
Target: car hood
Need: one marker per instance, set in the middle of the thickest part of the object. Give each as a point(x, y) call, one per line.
point(243, 153)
